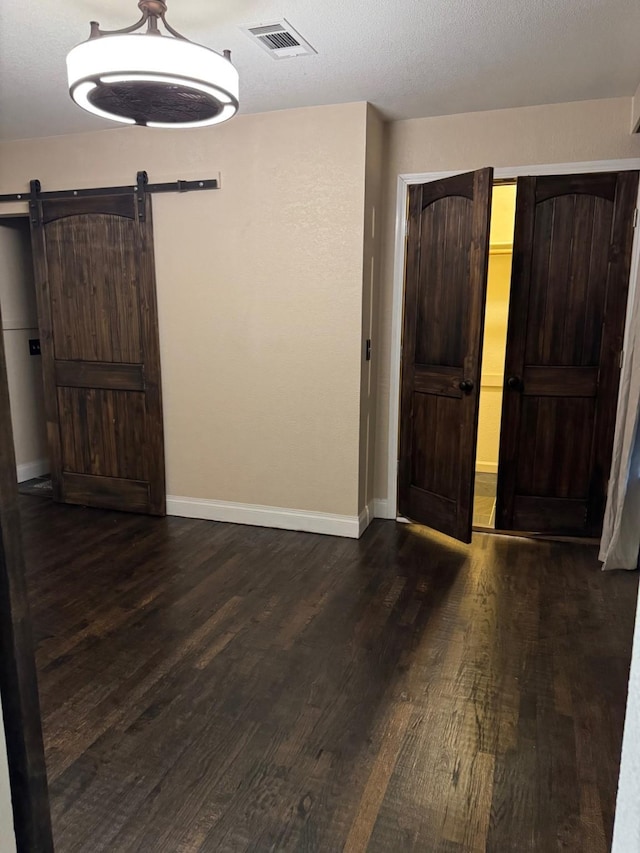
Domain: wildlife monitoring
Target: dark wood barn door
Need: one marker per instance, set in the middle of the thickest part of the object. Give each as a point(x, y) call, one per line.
point(98, 320)
point(571, 262)
point(446, 279)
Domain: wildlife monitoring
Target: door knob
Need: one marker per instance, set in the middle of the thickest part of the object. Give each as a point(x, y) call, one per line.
point(466, 385)
point(515, 383)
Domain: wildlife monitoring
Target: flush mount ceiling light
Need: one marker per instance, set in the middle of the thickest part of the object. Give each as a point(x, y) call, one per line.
point(152, 79)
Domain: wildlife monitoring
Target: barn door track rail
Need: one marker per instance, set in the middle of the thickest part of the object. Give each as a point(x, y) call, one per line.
point(140, 187)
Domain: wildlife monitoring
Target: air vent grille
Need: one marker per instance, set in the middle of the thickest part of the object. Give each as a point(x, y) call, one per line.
point(280, 40)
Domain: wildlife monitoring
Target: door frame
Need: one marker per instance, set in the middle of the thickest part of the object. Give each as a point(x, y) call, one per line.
point(21, 718)
point(389, 508)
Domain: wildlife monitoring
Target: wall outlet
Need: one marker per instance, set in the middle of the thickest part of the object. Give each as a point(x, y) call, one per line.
point(34, 346)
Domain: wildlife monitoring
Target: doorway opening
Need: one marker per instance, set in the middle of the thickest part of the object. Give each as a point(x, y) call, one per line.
point(22, 349)
point(563, 355)
point(503, 214)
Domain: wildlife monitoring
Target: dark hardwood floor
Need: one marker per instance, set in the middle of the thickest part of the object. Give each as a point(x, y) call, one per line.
point(210, 687)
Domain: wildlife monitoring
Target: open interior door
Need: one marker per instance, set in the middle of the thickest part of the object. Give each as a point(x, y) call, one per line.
point(445, 289)
point(569, 285)
point(95, 282)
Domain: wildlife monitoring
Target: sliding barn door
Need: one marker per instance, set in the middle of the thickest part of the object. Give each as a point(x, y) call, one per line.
point(95, 281)
point(571, 262)
point(445, 289)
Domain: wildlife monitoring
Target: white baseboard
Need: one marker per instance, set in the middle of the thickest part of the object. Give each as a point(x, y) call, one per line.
point(381, 508)
point(29, 470)
point(365, 518)
point(350, 526)
point(487, 467)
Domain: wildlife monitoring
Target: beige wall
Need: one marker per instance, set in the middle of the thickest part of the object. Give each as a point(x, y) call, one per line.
point(259, 290)
point(558, 133)
point(635, 111)
point(374, 167)
point(19, 323)
point(7, 837)
point(260, 284)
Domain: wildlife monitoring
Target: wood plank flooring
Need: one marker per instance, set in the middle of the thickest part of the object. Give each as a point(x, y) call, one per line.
point(211, 687)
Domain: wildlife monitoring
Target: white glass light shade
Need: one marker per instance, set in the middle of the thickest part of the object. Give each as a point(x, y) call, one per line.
point(155, 80)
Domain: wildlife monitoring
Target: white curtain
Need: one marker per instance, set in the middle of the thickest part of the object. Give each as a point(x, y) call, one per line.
point(620, 543)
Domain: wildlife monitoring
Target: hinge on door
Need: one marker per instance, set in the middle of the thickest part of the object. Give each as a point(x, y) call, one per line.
point(621, 359)
point(141, 185)
point(35, 208)
point(635, 217)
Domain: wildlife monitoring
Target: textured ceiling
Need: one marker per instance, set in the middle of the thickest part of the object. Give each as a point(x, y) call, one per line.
point(408, 57)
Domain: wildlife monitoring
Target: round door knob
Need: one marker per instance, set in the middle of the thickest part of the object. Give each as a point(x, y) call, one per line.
point(515, 383)
point(466, 385)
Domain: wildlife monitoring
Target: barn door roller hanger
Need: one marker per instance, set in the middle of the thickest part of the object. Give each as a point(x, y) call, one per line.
point(141, 187)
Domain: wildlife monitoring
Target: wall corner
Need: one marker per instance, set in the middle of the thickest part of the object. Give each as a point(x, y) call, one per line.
point(635, 111)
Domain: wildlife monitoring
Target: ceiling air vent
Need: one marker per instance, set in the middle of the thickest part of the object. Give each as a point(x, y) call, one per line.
point(280, 40)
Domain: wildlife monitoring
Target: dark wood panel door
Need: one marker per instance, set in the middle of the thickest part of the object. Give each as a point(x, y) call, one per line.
point(445, 290)
point(95, 280)
point(18, 678)
point(571, 263)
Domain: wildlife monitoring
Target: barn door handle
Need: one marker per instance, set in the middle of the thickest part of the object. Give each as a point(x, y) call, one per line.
point(466, 385)
point(515, 383)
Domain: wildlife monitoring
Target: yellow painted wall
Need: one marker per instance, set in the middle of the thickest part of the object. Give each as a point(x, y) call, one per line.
point(503, 211)
point(495, 327)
